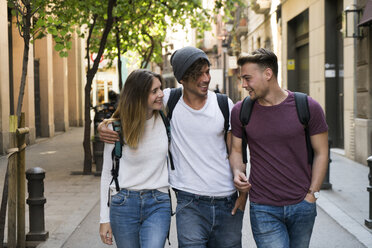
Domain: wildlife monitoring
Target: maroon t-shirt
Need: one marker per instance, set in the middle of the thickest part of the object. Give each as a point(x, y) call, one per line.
point(280, 174)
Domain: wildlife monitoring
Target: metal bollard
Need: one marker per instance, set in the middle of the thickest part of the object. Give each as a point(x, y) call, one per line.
point(368, 222)
point(36, 201)
point(326, 184)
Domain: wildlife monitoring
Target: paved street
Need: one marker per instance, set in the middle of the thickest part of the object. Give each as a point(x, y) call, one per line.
point(72, 208)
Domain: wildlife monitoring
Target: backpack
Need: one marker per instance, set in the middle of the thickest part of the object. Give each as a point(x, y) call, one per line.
point(117, 151)
point(303, 114)
point(223, 104)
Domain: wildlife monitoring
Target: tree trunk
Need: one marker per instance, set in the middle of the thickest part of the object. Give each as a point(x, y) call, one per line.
point(119, 58)
point(87, 122)
point(149, 52)
point(90, 75)
point(26, 39)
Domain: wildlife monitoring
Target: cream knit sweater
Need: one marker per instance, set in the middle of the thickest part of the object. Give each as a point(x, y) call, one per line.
point(142, 168)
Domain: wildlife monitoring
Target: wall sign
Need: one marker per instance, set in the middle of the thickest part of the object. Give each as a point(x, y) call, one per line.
point(291, 64)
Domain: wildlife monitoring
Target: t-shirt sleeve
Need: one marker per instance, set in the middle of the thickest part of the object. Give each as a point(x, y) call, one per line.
point(236, 127)
point(166, 96)
point(317, 123)
point(231, 105)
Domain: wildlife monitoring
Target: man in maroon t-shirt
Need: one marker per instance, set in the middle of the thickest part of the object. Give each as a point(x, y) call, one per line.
point(282, 186)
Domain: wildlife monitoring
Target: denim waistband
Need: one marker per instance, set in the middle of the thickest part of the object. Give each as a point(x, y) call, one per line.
point(205, 197)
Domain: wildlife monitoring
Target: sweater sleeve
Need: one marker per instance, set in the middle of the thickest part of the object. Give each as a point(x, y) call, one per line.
point(105, 182)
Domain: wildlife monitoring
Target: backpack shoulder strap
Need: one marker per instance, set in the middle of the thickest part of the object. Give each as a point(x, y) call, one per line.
point(244, 116)
point(245, 111)
point(223, 103)
point(116, 155)
point(118, 144)
point(302, 107)
point(168, 129)
point(174, 96)
point(166, 124)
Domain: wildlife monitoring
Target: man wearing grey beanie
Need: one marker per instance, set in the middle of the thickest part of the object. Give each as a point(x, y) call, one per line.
point(209, 211)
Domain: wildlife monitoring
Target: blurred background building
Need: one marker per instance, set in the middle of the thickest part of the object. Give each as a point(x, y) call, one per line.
point(324, 49)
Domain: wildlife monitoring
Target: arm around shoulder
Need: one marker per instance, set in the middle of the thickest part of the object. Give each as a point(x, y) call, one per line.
point(106, 134)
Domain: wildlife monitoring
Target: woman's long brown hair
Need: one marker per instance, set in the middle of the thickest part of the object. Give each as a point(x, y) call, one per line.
point(132, 107)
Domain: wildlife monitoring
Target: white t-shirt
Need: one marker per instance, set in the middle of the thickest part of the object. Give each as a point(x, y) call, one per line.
point(199, 150)
point(142, 168)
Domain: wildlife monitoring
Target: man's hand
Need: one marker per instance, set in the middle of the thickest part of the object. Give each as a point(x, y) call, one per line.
point(241, 182)
point(107, 135)
point(240, 202)
point(105, 233)
point(310, 198)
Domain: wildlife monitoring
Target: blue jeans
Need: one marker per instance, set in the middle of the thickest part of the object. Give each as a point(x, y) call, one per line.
point(204, 221)
point(282, 227)
point(140, 218)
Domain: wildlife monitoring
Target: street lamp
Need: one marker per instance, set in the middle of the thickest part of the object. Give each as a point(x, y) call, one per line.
point(352, 18)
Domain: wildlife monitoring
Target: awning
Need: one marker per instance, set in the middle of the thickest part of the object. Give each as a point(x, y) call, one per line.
point(367, 15)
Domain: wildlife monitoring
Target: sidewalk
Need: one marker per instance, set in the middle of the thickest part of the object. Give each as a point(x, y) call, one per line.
point(70, 198)
point(348, 200)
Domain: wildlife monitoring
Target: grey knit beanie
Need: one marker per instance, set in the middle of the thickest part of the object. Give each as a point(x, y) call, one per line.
point(183, 58)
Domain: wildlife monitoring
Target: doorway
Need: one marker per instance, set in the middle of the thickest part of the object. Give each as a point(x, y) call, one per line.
point(334, 72)
point(298, 53)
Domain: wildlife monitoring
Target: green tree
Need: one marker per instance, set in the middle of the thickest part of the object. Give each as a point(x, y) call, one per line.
point(32, 17)
point(115, 27)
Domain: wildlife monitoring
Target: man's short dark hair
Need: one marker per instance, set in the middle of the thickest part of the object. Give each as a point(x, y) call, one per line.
point(194, 71)
point(264, 58)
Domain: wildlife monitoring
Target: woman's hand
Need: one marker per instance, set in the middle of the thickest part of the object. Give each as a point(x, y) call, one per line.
point(106, 233)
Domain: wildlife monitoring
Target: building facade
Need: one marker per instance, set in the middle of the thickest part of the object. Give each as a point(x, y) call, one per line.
point(316, 57)
point(53, 98)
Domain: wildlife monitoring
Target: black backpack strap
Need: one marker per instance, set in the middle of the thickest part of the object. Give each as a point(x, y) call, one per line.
point(168, 129)
point(116, 155)
point(244, 116)
point(302, 107)
point(174, 96)
point(223, 103)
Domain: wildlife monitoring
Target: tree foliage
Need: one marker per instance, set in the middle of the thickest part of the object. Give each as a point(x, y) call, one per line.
point(115, 27)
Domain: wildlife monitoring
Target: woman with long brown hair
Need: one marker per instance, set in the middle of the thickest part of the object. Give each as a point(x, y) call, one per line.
point(138, 214)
